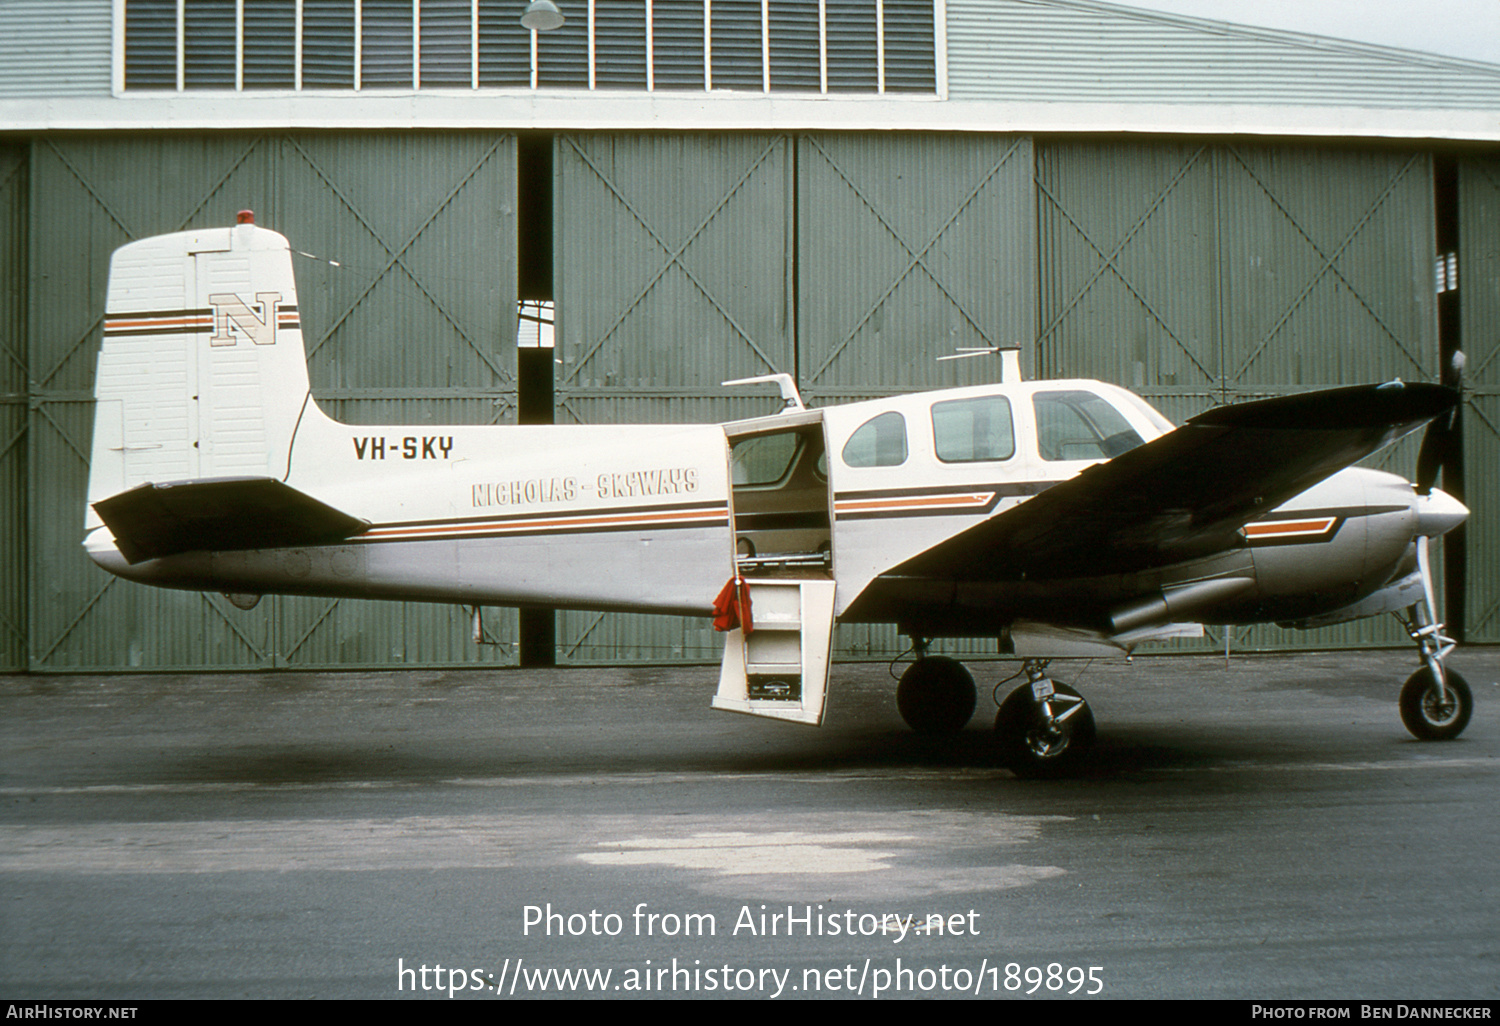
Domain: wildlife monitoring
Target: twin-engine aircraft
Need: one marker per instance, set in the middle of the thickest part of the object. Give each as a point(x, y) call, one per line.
point(1059, 517)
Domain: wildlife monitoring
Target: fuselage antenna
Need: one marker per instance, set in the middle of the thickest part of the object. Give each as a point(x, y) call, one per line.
point(789, 394)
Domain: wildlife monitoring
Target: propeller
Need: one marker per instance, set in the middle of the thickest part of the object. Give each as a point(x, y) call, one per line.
point(1436, 514)
point(1439, 442)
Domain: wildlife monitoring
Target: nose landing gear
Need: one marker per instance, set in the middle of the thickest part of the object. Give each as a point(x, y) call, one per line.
point(1435, 702)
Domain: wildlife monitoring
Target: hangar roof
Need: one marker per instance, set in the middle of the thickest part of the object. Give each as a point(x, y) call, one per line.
point(995, 66)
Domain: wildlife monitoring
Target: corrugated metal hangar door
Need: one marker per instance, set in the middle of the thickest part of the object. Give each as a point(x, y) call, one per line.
point(1197, 275)
point(851, 262)
point(671, 274)
point(911, 248)
point(1194, 274)
point(13, 577)
point(407, 292)
point(1479, 295)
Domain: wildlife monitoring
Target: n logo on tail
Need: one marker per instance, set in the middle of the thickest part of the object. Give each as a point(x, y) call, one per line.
point(231, 313)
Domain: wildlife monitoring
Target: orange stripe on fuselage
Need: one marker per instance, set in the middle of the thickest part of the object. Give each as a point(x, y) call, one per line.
point(915, 502)
point(586, 521)
point(205, 322)
point(1286, 528)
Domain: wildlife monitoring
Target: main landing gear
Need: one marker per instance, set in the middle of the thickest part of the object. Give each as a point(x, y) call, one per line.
point(936, 694)
point(1043, 728)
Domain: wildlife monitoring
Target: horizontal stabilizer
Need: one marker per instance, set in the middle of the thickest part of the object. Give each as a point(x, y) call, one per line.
point(1187, 493)
point(223, 514)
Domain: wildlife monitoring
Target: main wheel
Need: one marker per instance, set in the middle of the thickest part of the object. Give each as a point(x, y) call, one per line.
point(936, 695)
point(1433, 717)
point(1034, 747)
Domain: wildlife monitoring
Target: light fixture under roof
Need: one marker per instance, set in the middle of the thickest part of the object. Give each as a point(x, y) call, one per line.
point(542, 16)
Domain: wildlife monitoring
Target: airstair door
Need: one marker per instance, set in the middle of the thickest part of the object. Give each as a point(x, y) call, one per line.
point(776, 660)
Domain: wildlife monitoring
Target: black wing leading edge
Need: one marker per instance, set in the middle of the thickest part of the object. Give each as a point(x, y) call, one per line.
point(1187, 493)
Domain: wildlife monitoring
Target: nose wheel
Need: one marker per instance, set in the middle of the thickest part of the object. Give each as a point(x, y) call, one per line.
point(1435, 711)
point(1045, 729)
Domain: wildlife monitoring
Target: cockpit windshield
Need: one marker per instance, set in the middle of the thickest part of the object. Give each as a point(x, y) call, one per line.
point(1079, 425)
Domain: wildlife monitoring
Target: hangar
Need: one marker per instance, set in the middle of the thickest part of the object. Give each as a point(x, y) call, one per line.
point(688, 191)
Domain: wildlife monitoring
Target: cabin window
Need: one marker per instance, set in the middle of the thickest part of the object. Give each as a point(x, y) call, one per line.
point(879, 442)
point(972, 430)
point(763, 460)
point(1076, 425)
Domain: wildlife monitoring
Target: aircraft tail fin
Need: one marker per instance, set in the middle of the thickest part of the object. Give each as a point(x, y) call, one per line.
point(202, 373)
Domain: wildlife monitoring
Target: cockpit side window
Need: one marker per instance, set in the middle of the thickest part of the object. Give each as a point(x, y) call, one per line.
point(972, 430)
point(879, 442)
point(1078, 425)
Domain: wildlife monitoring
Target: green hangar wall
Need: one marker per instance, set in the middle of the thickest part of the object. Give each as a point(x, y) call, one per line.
point(1479, 302)
point(416, 324)
point(1193, 272)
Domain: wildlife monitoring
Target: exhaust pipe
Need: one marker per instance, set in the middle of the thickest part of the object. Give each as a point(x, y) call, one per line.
point(1176, 603)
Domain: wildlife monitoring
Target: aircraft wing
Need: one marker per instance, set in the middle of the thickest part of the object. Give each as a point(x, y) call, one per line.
point(220, 514)
point(1187, 493)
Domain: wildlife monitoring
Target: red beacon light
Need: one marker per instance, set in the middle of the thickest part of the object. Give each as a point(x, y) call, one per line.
point(245, 217)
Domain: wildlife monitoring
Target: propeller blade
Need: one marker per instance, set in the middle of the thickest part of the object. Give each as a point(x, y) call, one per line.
point(1437, 443)
point(1438, 440)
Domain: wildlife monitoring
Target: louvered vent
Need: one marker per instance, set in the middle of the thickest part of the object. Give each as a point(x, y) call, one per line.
point(270, 47)
point(151, 44)
point(447, 43)
point(208, 45)
point(562, 54)
point(327, 44)
point(620, 46)
point(504, 48)
point(853, 47)
point(386, 44)
point(909, 47)
point(795, 63)
point(736, 44)
point(804, 46)
point(677, 42)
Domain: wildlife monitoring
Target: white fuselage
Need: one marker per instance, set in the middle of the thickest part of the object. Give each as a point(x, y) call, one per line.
point(639, 518)
point(202, 384)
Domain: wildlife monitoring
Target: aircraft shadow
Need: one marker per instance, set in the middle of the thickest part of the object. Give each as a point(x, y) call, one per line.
point(351, 763)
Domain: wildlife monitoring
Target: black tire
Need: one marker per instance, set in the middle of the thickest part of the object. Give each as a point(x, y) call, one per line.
point(1425, 717)
point(936, 695)
point(1029, 749)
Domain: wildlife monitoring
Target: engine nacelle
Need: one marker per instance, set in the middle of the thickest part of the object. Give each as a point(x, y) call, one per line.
point(1320, 556)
